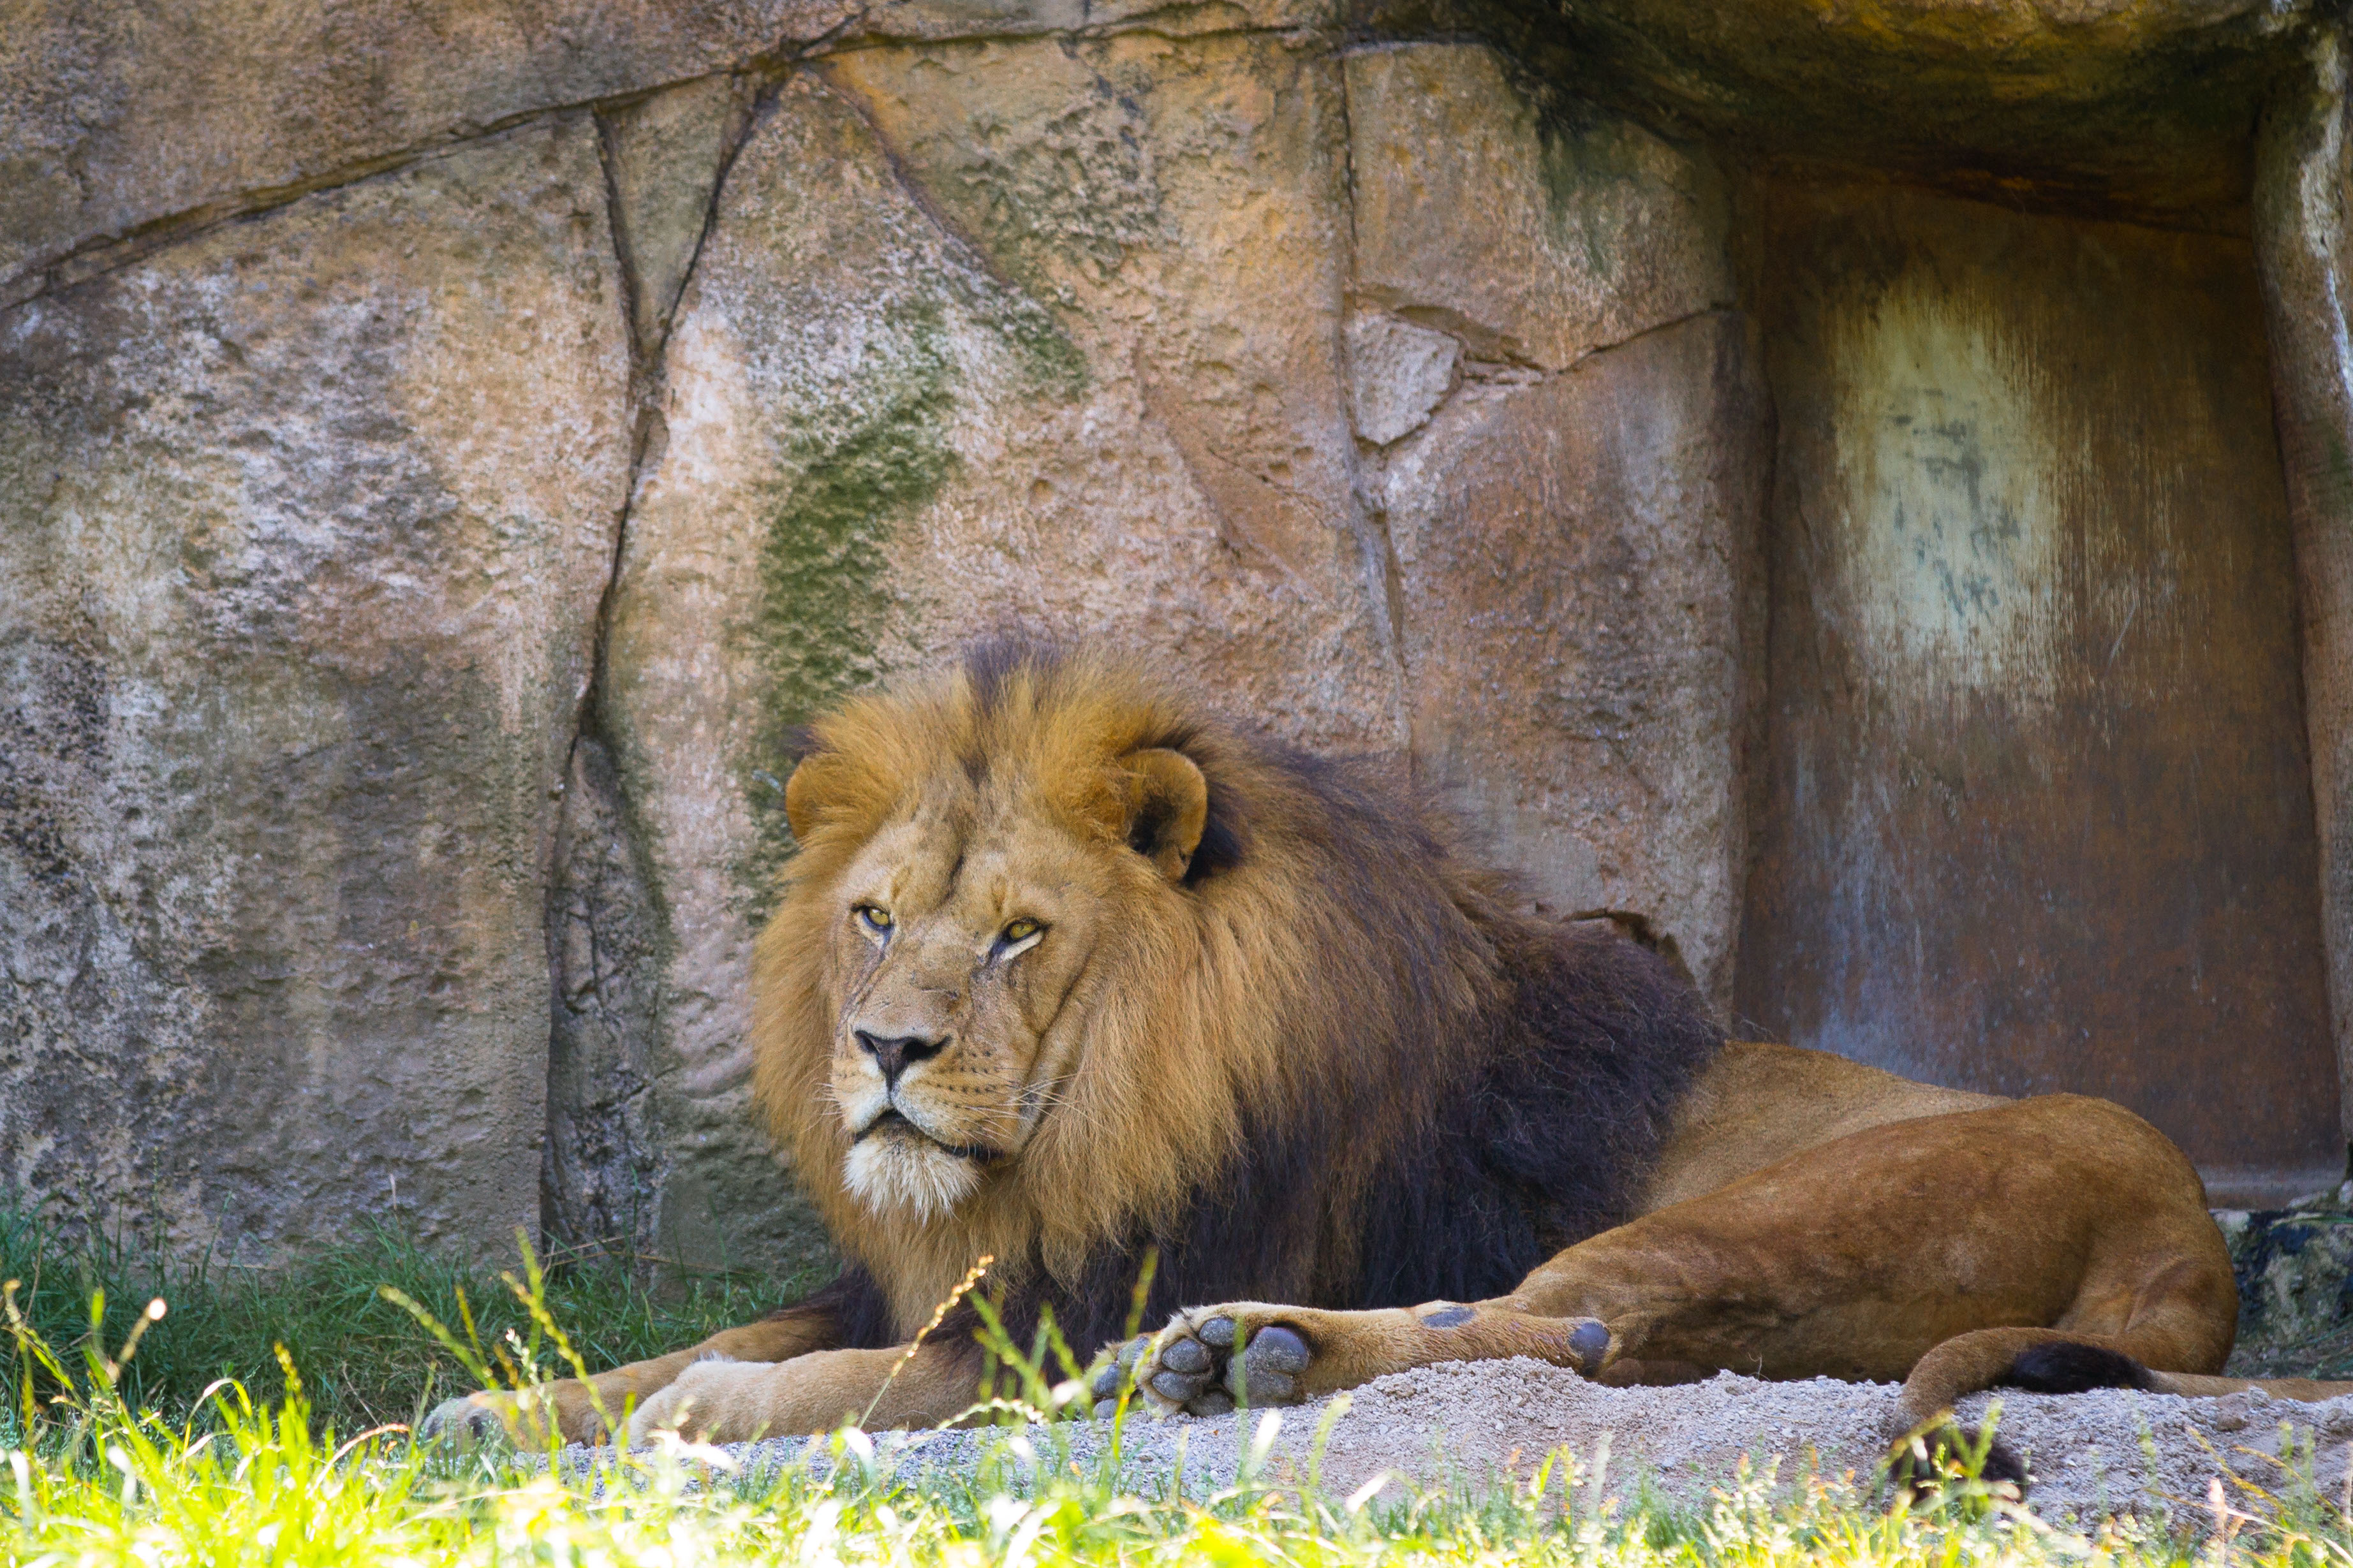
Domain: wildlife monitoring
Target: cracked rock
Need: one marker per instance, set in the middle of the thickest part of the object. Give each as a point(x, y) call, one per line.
point(1527, 245)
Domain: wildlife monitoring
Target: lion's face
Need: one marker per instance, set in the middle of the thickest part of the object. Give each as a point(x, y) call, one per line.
point(958, 940)
point(965, 856)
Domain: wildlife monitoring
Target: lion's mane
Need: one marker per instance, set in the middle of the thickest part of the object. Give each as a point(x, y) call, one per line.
point(1351, 1076)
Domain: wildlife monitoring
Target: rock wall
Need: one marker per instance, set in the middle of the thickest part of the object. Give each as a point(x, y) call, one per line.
point(445, 450)
point(307, 521)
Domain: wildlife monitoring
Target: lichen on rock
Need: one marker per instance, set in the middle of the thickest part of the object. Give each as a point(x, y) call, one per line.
point(856, 472)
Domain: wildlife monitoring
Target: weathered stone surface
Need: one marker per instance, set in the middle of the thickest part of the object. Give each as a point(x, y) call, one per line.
point(877, 446)
point(117, 115)
point(2129, 106)
point(302, 529)
point(1398, 374)
point(2039, 813)
point(1530, 244)
point(605, 1161)
point(1181, 205)
point(940, 21)
point(1577, 563)
point(2304, 246)
point(1576, 549)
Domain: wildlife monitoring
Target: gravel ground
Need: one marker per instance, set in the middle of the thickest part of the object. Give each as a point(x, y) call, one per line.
point(1471, 1424)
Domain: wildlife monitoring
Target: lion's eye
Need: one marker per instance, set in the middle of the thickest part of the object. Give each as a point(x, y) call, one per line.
point(1022, 930)
point(874, 917)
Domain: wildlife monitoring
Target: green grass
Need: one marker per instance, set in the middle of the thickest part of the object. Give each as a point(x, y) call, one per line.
point(364, 1360)
point(108, 1459)
point(265, 1485)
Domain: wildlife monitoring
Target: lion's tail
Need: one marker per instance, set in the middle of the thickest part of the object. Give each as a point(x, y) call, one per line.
point(2051, 1361)
point(2308, 1390)
point(2054, 1360)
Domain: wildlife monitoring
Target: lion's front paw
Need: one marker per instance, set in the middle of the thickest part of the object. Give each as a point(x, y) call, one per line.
point(491, 1417)
point(666, 1410)
point(1209, 1359)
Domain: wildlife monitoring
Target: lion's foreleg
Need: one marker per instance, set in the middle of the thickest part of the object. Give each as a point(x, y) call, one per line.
point(587, 1412)
point(734, 1402)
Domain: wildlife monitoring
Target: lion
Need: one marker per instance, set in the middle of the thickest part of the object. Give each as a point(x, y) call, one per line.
point(1068, 971)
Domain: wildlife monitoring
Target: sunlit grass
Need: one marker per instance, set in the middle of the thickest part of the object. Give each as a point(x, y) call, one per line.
point(252, 1472)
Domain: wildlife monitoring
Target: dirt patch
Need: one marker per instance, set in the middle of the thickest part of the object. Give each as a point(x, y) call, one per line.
point(1474, 1423)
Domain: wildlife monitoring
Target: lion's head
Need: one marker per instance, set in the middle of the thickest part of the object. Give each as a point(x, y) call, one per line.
point(1063, 961)
point(998, 872)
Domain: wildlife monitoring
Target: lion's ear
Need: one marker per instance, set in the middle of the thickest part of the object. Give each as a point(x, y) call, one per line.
point(1168, 808)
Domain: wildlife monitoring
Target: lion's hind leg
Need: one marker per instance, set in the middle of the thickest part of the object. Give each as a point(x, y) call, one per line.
point(2157, 1305)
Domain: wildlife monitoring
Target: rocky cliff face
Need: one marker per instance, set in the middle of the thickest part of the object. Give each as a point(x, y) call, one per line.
point(445, 451)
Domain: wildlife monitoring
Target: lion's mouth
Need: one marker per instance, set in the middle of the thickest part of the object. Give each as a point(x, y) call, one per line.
point(893, 1119)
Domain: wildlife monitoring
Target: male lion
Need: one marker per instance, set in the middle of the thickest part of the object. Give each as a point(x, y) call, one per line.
point(1067, 970)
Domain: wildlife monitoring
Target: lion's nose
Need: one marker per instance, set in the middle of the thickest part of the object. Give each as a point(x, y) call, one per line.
point(895, 1056)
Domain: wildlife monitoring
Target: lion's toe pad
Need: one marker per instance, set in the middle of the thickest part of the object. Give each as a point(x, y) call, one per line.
point(1187, 1356)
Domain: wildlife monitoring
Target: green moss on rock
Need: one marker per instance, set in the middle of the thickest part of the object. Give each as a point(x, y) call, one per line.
point(861, 468)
